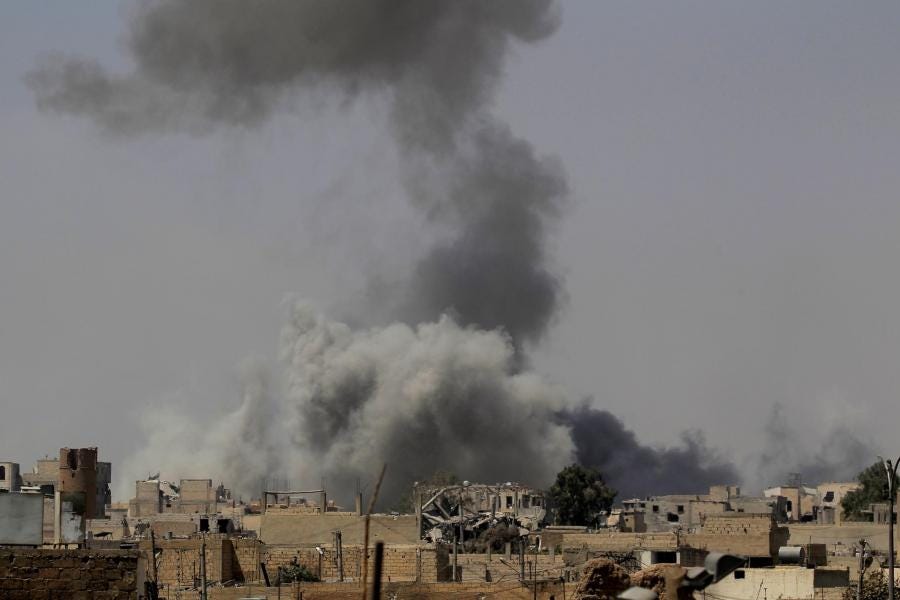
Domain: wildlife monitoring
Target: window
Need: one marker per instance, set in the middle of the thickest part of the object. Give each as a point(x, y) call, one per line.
point(829, 496)
point(2, 473)
point(509, 502)
point(526, 501)
point(643, 505)
point(656, 508)
point(740, 574)
point(204, 524)
point(672, 518)
point(680, 509)
point(790, 505)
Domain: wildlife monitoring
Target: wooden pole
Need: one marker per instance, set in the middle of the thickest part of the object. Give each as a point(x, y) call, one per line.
point(365, 556)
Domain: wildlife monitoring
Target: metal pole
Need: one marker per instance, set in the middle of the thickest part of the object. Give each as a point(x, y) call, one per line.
point(892, 491)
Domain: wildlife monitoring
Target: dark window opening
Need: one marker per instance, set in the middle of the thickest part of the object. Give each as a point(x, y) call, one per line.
point(222, 525)
point(509, 502)
point(643, 505)
point(790, 505)
point(740, 574)
point(2, 473)
point(204, 524)
point(72, 459)
point(656, 508)
point(672, 518)
point(680, 509)
point(829, 496)
point(663, 557)
point(526, 501)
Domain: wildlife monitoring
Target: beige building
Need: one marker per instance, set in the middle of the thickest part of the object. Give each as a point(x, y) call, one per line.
point(10, 481)
point(830, 496)
point(795, 582)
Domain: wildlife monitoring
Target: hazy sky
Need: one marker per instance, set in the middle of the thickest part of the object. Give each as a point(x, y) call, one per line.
point(732, 239)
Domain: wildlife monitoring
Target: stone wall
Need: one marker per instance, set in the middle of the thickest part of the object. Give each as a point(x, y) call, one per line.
point(401, 562)
point(746, 534)
point(77, 574)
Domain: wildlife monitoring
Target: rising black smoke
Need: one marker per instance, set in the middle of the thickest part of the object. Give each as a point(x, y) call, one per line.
point(636, 470)
point(428, 392)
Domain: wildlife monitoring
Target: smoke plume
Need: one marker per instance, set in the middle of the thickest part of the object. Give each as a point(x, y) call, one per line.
point(421, 399)
point(236, 448)
point(429, 391)
point(636, 470)
point(837, 455)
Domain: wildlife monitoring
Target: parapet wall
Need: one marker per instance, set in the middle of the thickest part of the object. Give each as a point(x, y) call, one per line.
point(87, 574)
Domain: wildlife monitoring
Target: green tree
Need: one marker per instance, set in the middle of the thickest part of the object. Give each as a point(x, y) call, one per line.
point(875, 586)
point(873, 488)
point(579, 496)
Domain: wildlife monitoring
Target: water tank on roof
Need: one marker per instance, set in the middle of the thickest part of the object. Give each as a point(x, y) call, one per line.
point(791, 555)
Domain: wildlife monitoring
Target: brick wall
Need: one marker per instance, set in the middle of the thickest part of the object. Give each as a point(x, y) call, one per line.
point(615, 541)
point(178, 561)
point(747, 534)
point(401, 562)
point(246, 559)
point(79, 574)
point(433, 591)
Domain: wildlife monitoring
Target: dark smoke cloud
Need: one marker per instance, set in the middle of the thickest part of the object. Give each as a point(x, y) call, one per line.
point(448, 393)
point(636, 470)
point(838, 454)
point(203, 63)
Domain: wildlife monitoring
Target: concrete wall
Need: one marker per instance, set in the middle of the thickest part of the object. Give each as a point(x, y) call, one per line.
point(21, 519)
point(83, 574)
point(797, 583)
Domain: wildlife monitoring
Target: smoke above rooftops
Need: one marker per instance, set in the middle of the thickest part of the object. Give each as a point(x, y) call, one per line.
point(429, 391)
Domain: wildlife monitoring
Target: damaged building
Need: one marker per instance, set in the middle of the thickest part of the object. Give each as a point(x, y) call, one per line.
point(473, 512)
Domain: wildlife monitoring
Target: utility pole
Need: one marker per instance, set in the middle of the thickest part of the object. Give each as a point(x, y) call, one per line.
point(891, 470)
point(203, 569)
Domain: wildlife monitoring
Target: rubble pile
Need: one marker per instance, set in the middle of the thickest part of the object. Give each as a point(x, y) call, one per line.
point(664, 580)
point(602, 579)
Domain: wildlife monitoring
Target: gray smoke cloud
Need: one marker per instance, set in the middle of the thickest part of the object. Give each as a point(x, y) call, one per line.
point(429, 391)
point(205, 63)
point(635, 470)
point(236, 448)
point(839, 452)
point(432, 397)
